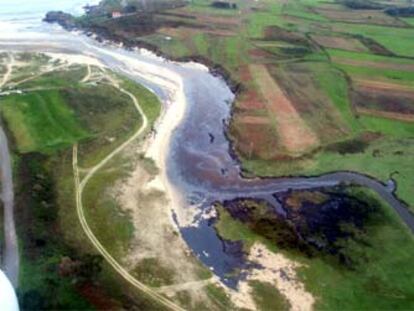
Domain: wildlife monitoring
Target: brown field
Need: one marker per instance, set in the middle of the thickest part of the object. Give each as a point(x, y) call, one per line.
point(227, 21)
point(373, 64)
point(182, 24)
point(184, 33)
point(384, 99)
point(255, 140)
point(386, 114)
point(295, 135)
point(373, 17)
point(251, 128)
point(254, 120)
point(277, 33)
point(258, 55)
point(299, 82)
point(348, 44)
point(210, 19)
point(383, 85)
point(249, 99)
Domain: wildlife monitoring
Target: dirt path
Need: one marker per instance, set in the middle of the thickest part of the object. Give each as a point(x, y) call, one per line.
point(87, 76)
point(39, 75)
point(79, 187)
point(9, 71)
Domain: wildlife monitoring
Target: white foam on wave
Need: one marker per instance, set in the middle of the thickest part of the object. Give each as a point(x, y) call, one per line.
point(23, 19)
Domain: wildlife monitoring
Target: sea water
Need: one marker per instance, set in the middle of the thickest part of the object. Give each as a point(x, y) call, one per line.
point(18, 18)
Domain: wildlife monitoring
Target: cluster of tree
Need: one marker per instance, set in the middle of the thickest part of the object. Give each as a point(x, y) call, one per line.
point(400, 12)
point(224, 5)
point(132, 6)
point(362, 4)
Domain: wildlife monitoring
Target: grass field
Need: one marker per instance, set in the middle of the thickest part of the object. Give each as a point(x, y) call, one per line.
point(41, 121)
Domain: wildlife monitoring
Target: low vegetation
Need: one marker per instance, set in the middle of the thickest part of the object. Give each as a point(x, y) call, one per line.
point(41, 120)
point(50, 113)
point(342, 236)
point(268, 298)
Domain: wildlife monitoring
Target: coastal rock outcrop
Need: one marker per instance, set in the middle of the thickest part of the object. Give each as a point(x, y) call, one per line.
point(65, 20)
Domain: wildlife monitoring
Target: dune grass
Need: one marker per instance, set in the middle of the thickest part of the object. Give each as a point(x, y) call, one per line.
point(41, 121)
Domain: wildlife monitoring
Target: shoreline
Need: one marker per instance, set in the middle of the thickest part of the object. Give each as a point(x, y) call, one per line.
point(101, 36)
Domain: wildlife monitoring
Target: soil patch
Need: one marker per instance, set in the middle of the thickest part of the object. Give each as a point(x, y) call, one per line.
point(279, 272)
point(383, 85)
point(384, 99)
point(373, 64)
point(280, 34)
point(295, 136)
point(255, 140)
point(300, 83)
point(372, 17)
point(375, 47)
point(344, 43)
point(385, 114)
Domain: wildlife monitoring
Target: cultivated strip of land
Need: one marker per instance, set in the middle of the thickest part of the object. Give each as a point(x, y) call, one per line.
point(295, 134)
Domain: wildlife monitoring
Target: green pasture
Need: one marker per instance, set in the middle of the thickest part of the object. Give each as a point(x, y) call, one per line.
point(41, 121)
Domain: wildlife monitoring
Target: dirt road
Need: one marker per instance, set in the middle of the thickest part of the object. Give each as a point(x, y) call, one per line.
point(8, 72)
point(79, 187)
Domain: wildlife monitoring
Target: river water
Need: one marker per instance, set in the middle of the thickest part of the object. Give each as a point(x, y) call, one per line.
point(198, 160)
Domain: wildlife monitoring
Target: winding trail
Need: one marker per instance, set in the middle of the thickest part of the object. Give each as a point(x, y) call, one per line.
point(9, 71)
point(88, 74)
point(79, 187)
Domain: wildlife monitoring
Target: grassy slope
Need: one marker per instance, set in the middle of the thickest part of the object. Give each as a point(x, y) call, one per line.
point(63, 119)
point(41, 121)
